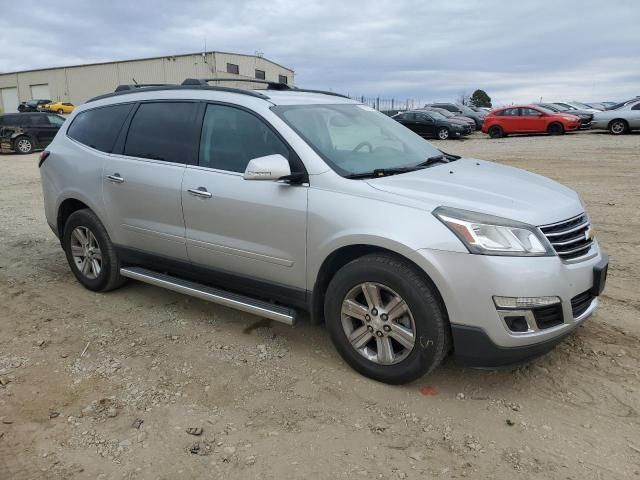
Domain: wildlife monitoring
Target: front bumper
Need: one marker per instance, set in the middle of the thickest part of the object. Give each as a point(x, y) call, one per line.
point(469, 282)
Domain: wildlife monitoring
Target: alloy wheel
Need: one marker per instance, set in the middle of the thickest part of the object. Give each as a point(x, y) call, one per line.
point(617, 128)
point(443, 134)
point(86, 253)
point(24, 145)
point(378, 323)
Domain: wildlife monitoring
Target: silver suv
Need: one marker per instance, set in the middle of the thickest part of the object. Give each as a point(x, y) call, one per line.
point(276, 201)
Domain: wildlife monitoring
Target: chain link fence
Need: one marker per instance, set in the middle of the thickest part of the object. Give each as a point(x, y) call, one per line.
point(388, 105)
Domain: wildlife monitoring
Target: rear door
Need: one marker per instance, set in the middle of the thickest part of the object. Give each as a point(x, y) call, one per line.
point(253, 229)
point(142, 181)
point(511, 120)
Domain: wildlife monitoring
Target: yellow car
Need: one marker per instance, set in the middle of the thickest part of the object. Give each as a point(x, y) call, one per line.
point(58, 107)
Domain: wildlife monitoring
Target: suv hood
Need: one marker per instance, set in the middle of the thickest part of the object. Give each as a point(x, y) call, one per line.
point(486, 187)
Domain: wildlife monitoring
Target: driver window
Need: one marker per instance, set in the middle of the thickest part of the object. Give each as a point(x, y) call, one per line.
point(231, 137)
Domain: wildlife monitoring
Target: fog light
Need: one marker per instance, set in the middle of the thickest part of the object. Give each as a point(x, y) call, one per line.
point(524, 302)
point(516, 323)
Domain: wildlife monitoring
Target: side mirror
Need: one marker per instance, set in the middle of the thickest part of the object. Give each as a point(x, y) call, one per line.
point(271, 167)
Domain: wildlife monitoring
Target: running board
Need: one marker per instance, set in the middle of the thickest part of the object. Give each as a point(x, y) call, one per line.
point(211, 294)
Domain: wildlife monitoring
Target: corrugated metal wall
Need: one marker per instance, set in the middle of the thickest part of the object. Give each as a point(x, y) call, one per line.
point(78, 84)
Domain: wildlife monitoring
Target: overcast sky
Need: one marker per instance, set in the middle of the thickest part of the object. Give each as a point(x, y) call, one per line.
point(518, 51)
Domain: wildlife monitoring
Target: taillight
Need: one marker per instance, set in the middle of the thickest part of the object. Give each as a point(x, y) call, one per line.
point(43, 156)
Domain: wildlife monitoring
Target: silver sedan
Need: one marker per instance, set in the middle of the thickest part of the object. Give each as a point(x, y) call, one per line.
point(621, 120)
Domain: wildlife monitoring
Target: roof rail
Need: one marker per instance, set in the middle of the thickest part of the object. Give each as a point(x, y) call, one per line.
point(205, 81)
point(134, 86)
point(270, 85)
point(126, 91)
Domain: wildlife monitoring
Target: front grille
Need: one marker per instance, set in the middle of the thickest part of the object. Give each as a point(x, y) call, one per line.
point(547, 317)
point(570, 238)
point(581, 302)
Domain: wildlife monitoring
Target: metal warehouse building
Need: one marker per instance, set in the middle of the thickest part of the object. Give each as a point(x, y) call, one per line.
point(78, 83)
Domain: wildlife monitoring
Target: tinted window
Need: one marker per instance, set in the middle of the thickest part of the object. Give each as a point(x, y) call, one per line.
point(233, 68)
point(260, 74)
point(636, 106)
point(99, 128)
point(511, 112)
point(163, 131)
point(231, 137)
point(55, 120)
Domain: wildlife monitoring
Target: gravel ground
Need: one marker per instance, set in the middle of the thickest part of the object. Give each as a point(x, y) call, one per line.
point(105, 386)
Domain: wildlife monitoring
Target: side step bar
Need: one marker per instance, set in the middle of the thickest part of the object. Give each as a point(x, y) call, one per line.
point(211, 294)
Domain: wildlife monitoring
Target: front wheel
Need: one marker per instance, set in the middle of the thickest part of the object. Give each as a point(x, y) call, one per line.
point(556, 129)
point(90, 252)
point(60, 111)
point(386, 319)
point(443, 133)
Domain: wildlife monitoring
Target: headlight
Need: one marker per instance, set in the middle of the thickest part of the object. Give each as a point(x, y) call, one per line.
point(488, 235)
point(570, 119)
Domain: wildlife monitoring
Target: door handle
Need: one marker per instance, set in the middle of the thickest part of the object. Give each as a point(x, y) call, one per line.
point(200, 192)
point(115, 178)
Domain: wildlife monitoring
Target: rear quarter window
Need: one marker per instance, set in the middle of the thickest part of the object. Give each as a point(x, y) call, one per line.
point(99, 128)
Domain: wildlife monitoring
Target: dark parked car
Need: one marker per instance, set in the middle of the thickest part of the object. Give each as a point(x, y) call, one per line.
point(26, 132)
point(461, 110)
point(453, 116)
point(32, 105)
point(432, 125)
point(585, 117)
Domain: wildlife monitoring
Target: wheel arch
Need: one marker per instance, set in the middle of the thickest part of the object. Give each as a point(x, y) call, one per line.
point(71, 202)
point(345, 254)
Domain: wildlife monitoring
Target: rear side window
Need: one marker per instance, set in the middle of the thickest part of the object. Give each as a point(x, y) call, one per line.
point(163, 131)
point(231, 137)
point(99, 128)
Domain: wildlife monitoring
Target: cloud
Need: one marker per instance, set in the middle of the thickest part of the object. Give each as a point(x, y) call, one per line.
point(516, 51)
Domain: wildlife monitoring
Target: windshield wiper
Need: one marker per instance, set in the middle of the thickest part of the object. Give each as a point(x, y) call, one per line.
point(385, 172)
point(381, 172)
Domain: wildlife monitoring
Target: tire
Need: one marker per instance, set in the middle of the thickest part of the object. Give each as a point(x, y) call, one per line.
point(85, 223)
point(618, 127)
point(60, 111)
point(496, 132)
point(555, 129)
point(443, 133)
point(23, 145)
point(425, 317)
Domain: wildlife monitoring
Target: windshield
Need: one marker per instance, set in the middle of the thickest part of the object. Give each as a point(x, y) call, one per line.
point(444, 113)
point(356, 139)
point(546, 109)
point(580, 105)
point(552, 108)
point(438, 115)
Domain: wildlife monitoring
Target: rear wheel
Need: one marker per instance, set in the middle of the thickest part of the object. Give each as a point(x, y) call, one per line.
point(443, 133)
point(60, 111)
point(386, 319)
point(618, 127)
point(555, 129)
point(90, 252)
point(496, 132)
point(23, 145)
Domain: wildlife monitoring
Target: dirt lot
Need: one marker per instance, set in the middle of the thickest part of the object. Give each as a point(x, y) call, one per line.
point(79, 371)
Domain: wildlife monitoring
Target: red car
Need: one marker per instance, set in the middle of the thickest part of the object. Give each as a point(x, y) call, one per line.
point(528, 119)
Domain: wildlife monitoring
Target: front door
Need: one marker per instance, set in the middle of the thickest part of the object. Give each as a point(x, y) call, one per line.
point(531, 120)
point(254, 229)
point(142, 184)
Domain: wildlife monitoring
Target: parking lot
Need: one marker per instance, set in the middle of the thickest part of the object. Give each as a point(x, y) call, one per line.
point(106, 385)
